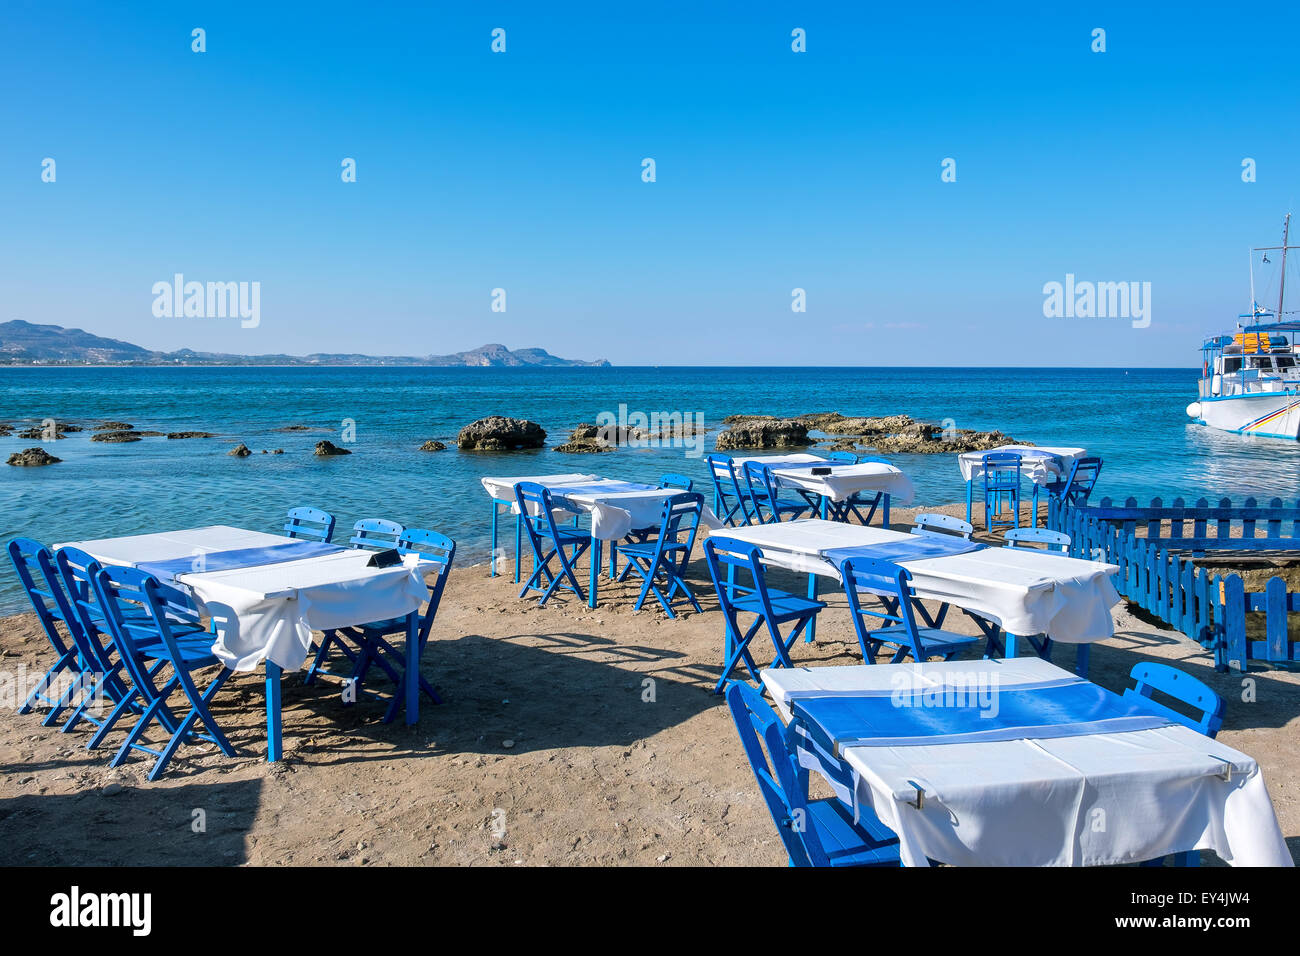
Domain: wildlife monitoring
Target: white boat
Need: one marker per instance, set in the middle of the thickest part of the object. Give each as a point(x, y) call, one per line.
point(1250, 379)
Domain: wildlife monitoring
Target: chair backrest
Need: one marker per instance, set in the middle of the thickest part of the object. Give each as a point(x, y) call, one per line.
point(310, 523)
point(892, 584)
point(681, 517)
point(727, 556)
point(433, 548)
point(762, 736)
point(846, 456)
point(537, 506)
point(674, 480)
point(1055, 540)
point(726, 483)
point(135, 610)
point(879, 461)
point(1002, 470)
point(941, 526)
point(1151, 676)
point(375, 534)
point(36, 573)
point(1083, 476)
point(760, 486)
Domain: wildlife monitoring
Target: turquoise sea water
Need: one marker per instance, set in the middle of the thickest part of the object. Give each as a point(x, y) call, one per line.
point(1134, 419)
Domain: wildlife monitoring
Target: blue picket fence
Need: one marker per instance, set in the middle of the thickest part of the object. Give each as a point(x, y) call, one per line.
point(1158, 572)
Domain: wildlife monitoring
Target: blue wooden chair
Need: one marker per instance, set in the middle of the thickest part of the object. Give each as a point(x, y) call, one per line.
point(311, 524)
point(840, 510)
point(35, 568)
point(890, 583)
point(375, 534)
point(1001, 477)
point(730, 503)
point(549, 542)
point(676, 481)
point(149, 649)
point(367, 645)
point(1151, 676)
point(940, 526)
point(761, 488)
point(1054, 540)
point(1076, 487)
point(771, 607)
point(668, 554)
point(813, 832)
point(667, 481)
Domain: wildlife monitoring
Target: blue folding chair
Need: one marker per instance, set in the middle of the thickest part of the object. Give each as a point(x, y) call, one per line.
point(771, 607)
point(729, 502)
point(760, 486)
point(937, 525)
point(1001, 476)
point(1150, 676)
point(310, 523)
point(35, 568)
point(367, 645)
point(676, 481)
point(890, 583)
point(1076, 487)
point(668, 554)
point(813, 832)
point(549, 542)
point(137, 616)
point(1054, 540)
point(840, 510)
point(375, 534)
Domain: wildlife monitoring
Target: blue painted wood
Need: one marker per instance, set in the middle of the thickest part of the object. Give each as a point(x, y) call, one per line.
point(1151, 676)
point(667, 555)
point(274, 740)
point(895, 622)
point(311, 524)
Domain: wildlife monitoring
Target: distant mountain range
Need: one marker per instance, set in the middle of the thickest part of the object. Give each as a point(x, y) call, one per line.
point(24, 343)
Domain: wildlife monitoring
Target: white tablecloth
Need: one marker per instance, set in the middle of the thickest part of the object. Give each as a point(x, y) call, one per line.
point(1025, 590)
point(1039, 464)
point(613, 514)
point(269, 611)
point(1087, 800)
point(843, 482)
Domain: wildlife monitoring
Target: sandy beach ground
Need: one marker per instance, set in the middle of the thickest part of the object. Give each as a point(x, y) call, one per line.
point(587, 736)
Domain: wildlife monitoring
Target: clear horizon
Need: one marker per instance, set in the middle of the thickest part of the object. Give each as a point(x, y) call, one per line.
point(775, 170)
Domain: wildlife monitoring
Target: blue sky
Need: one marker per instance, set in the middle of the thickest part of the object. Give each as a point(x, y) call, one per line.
point(522, 171)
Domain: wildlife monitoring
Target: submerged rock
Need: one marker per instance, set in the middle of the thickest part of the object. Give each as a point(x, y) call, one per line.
point(432, 445)
point(240, 451)
point(295, 428)
point(32, 457)
point(114, 427)
point(328, 448)
point(178, 435)
point(584, 446)
point(115, 437)
point(764, 433)
point(498, 433)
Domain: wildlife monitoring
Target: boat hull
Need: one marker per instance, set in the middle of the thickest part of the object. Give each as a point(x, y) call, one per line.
point(1267, 414)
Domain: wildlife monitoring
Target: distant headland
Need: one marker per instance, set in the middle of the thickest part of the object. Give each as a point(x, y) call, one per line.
point(25, 343)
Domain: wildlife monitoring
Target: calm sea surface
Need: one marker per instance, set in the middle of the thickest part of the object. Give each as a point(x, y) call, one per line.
point(1134, 419)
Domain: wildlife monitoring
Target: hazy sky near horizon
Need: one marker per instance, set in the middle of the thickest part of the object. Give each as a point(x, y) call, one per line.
point(522, 171)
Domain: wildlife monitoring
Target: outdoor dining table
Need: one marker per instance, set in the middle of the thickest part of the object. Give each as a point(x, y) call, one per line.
point(1019, 763)
point(616, 508)
point(266, 594)
point(1041, 465)
point(843, 481)
point(1022, 591)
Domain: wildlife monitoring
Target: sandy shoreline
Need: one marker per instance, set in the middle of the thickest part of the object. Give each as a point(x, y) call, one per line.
point(548, 725)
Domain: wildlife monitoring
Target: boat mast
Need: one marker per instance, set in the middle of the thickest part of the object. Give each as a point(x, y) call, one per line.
point(1281, 286)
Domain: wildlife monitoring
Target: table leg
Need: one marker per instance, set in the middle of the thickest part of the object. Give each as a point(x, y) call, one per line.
point(1033, 521)
point(970, 491)
point(495, 511)
point(1009, 644)
point(821, 506)
point(412, 676)
point(519, 544)
point(1081, 662)
point(885, 505)
point(274, 748)
point(811, 631)
point(595, 571)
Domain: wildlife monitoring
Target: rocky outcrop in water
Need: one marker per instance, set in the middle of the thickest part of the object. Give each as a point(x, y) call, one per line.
point(179, 435)
point(888, 434)
point(32, 457)
point(114, 427)
point(115, 437)
point(325, 449)
point(764, 433)
point(498, 433)
point(432, 445)
point(239, 451)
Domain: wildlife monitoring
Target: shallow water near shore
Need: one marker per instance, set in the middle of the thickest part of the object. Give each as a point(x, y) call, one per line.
point(1134, 419)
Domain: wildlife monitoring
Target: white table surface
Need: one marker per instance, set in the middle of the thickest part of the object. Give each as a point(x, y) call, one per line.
point(844, 481)
point(1040, 464)
point(1085, 800)
point(1026, 591)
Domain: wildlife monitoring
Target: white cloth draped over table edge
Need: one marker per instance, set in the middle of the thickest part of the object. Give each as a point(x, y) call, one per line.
point(844, 481)
point(1040, 464)
point(1025, 590)
point(613, 515)
point(1033, 802)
